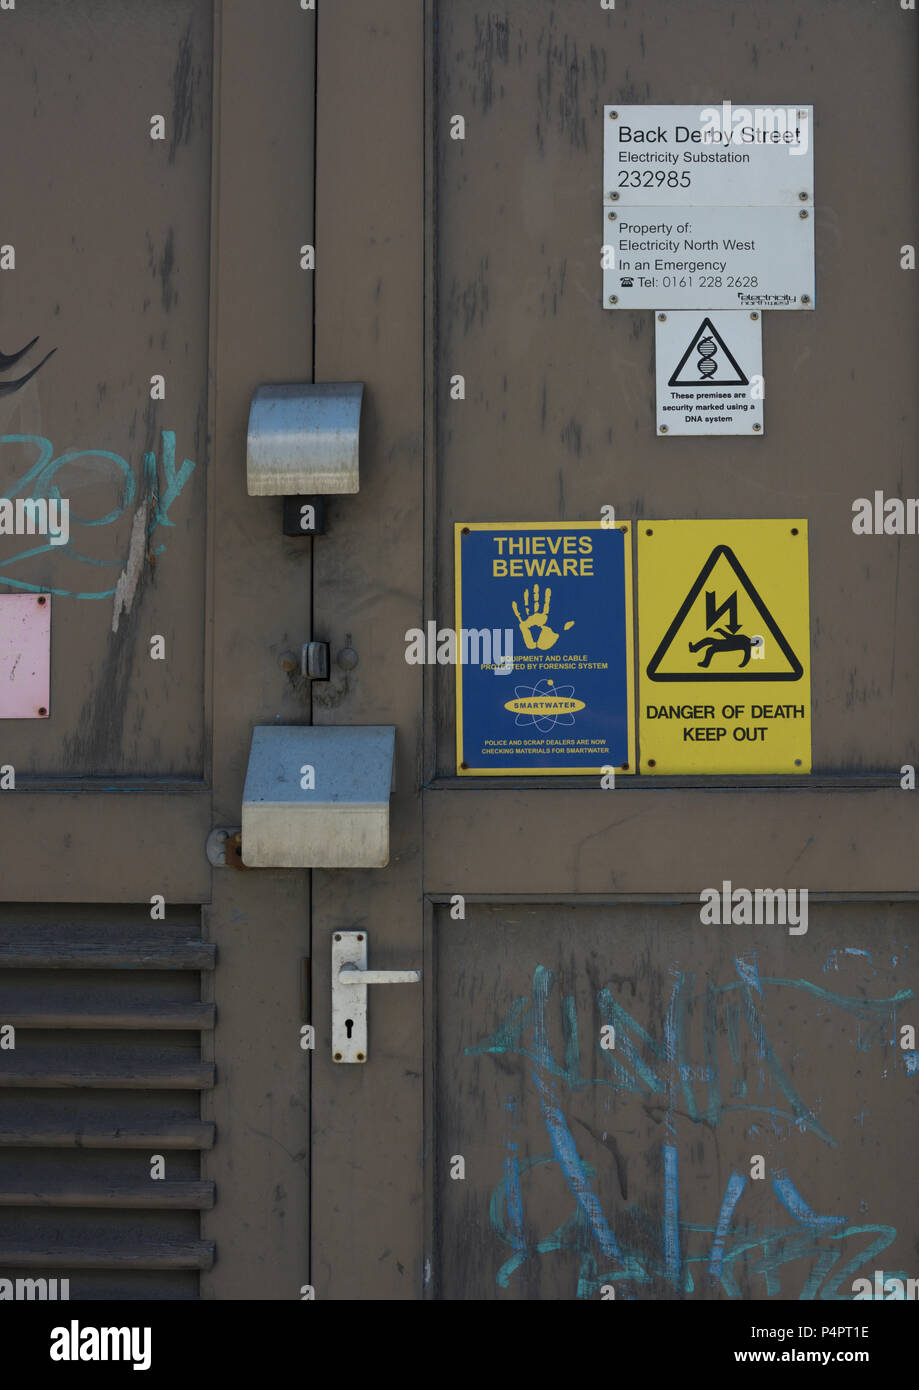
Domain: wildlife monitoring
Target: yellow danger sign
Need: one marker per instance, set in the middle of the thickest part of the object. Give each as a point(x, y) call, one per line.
point(724, 647)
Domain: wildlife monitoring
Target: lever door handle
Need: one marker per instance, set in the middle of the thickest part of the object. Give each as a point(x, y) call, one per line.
point(350, 979)
point(352, 975)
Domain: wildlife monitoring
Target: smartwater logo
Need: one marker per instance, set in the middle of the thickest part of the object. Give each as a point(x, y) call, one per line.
point(757, 907)
point(76, 1343)
point(36, 516)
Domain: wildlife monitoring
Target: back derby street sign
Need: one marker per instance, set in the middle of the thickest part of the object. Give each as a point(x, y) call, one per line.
point(708, 207)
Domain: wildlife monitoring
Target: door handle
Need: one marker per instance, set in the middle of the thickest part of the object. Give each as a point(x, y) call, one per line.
point(351, 975)
point(350, 981)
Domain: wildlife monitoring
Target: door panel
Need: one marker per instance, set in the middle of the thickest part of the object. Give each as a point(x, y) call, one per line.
point(631, 1164)
point(558, 420)
point(139, 258)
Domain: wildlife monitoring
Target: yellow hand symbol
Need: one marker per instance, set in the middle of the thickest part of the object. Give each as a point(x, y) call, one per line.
point(538, 620)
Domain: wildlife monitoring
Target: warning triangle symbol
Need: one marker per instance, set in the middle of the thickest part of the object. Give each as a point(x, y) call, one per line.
point(712, 637)
point(708, 361)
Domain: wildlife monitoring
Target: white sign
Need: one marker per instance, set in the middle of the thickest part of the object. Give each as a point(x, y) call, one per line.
point(709, 372)
point(708, 156)
point(709, 258)
point(708, 207)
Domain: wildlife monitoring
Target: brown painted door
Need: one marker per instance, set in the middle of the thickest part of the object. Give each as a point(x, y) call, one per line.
point(750, 1135)
point(157, 191)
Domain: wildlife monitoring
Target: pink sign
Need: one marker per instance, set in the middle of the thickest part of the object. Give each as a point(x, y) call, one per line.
point(25, 656)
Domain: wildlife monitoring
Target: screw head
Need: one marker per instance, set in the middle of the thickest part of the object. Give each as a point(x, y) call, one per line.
point(757, 428)
point(337, 1056)
point(662, 318)
point(803, 214)
point(360, 1057)
point(42, 601)
point(614, 115)
point(664, 429)
point(42, 711)
point(612, 216)
point(652, 762)
point(754, 315)
point(805, 299)
point(803, 197)
point(614, 299)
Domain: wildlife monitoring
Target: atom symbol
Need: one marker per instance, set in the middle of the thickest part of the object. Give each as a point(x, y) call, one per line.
point(544, 722)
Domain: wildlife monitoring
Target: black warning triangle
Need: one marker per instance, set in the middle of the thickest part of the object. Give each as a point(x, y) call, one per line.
point(750, 672)
point(710, 369)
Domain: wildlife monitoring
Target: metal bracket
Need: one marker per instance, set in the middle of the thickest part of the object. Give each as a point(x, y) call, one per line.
point(224, 849)
point(350, 978)
point(314, 661)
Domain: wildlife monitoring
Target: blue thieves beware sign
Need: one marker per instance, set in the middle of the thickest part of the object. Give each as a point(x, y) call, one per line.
point(544, 648)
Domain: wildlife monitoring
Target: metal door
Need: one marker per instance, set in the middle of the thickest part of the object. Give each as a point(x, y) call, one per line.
point(491, 1147)
point(157, 197)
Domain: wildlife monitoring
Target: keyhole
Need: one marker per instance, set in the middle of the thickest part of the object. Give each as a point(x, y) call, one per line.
point(349, 1024)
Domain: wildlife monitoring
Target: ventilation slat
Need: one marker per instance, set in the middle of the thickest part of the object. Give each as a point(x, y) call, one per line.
point(101, 1071)
point(176, 1134)
point(148, 1195)
point(77, 955)
point(151, 1254)
point(191, 1016)
point(148, 1074)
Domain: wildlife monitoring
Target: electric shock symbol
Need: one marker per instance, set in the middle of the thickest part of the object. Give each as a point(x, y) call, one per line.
point(722, 633)
point(715, 364)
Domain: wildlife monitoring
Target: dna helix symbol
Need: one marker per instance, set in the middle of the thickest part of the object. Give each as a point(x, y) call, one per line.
point(707, 347)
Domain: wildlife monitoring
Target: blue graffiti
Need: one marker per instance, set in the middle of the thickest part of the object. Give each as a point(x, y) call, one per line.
point(41, 477)
point(729, 1253)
